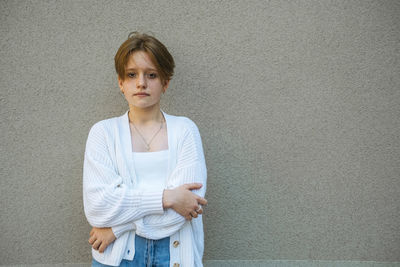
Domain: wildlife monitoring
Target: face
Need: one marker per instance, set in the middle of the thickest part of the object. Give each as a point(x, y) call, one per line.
point(142, 85)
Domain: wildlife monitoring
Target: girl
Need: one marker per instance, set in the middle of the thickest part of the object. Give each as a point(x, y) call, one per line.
point(144, 175)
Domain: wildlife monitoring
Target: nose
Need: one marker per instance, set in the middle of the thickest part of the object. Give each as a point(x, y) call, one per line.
point(141, 81)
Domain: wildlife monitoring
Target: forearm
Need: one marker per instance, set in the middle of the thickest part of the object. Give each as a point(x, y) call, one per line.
point(102, 213)
point(167, 225)
point(171, 221)
point(118, 230)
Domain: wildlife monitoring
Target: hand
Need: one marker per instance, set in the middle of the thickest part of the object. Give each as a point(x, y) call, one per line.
point(100, 238)
point(183, 201)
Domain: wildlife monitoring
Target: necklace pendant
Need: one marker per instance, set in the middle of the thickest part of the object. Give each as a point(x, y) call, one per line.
point(147, 144)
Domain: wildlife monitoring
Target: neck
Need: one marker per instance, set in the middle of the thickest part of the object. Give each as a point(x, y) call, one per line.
point(145, 115)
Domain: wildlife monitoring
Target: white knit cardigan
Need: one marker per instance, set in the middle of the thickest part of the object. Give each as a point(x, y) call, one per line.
point(111, 200)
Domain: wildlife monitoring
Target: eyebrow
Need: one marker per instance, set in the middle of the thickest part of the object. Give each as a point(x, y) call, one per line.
point(145, 69)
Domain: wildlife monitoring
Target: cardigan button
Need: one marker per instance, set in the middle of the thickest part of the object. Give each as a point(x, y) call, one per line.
point(176, 264)
point(176, 243)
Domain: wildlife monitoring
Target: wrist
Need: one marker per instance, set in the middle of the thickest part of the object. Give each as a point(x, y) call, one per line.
point(167, 203)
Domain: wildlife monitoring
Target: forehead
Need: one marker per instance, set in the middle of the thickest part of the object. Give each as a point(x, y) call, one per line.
point(140, 60)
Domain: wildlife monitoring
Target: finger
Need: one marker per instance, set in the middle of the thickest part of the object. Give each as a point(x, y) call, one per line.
point(102, 247)
point(96, 244)
point(202, 201)
point(199, 211)
point(194, 214)
point(188, 217)
point(193, 186)
point(92, 239)
point(91, 232)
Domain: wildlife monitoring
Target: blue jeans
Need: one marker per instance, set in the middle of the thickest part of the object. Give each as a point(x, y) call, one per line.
point(148, 253)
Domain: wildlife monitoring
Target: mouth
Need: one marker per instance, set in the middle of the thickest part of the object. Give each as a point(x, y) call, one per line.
point(141, 94)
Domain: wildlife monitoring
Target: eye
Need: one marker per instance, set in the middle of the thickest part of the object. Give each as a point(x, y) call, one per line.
point(131, 74)
point(152, 75)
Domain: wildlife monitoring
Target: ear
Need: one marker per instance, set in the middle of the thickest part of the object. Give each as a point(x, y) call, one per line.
point(166, 84)
point(120, 84)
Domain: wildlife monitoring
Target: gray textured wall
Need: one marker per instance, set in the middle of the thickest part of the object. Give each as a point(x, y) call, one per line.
point(297, 102)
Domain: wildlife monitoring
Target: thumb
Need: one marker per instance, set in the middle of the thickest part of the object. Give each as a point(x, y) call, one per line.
point(193, 186)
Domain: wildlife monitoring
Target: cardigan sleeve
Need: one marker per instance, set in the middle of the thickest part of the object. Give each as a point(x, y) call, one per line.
point(107, 200)
point(118, 230)
point(190, 168)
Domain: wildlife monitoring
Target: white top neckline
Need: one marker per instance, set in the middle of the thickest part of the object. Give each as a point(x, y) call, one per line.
point(151, 152)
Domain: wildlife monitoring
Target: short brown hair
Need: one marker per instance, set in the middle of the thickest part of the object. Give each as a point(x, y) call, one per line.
point(159, 54)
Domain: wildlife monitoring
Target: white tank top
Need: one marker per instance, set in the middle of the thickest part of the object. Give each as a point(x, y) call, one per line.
point(151, 169)
point(151, 173)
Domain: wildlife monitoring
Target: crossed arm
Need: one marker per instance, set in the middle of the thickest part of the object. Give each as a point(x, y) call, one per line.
point(180, 199)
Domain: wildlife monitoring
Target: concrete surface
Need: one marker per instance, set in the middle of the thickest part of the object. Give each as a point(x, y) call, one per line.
point(297, 102)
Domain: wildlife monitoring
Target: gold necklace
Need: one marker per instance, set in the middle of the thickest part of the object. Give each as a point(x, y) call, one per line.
point(151, 140)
